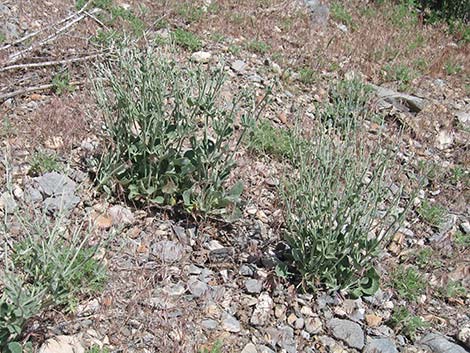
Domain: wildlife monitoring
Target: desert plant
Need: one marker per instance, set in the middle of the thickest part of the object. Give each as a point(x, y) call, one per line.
point(186, 40)
point(42, 162)
point(168, 141)
point(49, 267)
point(406, 323)
point(348, 102)
point(408, 283)
point(265, 138)
point(339, 210)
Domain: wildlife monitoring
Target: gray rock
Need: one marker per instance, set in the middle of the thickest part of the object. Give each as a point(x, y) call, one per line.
point(347, 331)
point(249, 348)
point(238, 66)
point(168, 251)
point(465, 226)
point(253, 286)
point(403, 102)
point(320, 13)
point(464, 335)
point(380, 345)
point(61, 203)
point(262, 310)
point(313, 325)
point(7, 202)
point(201, 57)
point(230, 323)
point(287, 341)
point(246, 270)
point(439, 344)
point(209, 324)
point(264, 349)
point(463, 117)
point(197, 288)
point(54, 184)
point(121, 215)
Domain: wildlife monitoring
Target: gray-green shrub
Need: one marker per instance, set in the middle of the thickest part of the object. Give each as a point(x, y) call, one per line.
point(338, 208)
point(51, 266)
point(169, 141)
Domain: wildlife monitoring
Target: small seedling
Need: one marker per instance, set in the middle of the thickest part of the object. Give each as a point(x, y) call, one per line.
point(189, 12)
point(452, 68)
point(432, 214)
point(258, 47)
point(307, 76)
point(265, 138)
point(216, 348)
point(98, 349)
point(42, 162)
point(408, 283)
point(187, 40)
point(61, 83)
point(406, 323)
point(462, 239)
point(341, 14)
point(424, 257)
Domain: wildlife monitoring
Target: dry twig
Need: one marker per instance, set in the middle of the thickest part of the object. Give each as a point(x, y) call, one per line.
point(6, 96)
point(48, 63)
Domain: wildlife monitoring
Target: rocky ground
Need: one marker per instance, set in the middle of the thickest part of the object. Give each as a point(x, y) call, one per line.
point(175, 284)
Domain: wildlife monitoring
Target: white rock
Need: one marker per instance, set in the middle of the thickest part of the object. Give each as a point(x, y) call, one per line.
point(201, 57)
point(62, 344)
point(444, 139)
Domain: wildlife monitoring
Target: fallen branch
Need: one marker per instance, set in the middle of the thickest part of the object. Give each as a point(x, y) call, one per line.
point(6, 96)
point(33, 34)
point(18, 55)
point(48, 63)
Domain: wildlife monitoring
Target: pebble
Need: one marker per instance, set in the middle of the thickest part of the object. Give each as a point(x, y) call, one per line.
point(62, 344)
point(465, 226)
point(439, 344)
point(246, 270)
point(201, 57)
point(238, 66)
point(253, 286)
point(347, 331)
point(249, 348)
point(464, 335)
point(7, 202)
point(313, 325)
point(262, 310)
point(168, 251)
point(209, 324)
point(381, 345)
point(230, 323)
point(197, 288)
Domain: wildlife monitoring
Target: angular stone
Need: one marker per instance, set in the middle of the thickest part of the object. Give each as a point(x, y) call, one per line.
point(209, 324)
point(439, 344)
point(7, 203)
point(121, 215)
point(262, 310)
point(201, 57)
point(61, 203)
point(347, 331)
point(403, 102)
point(62, 344)
point(238, 66)
point(197, 288)
point(52, 184)
point(380, 345)
point(230, 323)
point(168, 251)
point(249, 348)
point(253, 286)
